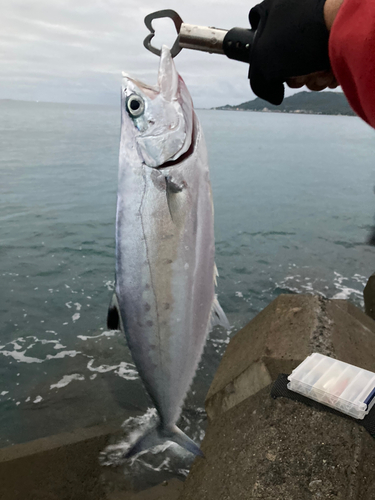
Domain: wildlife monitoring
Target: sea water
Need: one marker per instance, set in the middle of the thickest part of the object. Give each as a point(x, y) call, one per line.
point(294, 210)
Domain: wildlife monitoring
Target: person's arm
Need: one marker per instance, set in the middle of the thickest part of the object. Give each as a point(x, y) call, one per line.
point(352, 55)
point(320, 43)
point(321, 79)
point(331, 9)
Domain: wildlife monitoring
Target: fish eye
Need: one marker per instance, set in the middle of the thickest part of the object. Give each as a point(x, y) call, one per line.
point(135, 105)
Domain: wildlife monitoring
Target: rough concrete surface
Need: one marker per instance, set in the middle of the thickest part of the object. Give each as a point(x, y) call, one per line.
point(281, 336)
point(168, 490)
point(260, 448)
point(66, 467)
point(60, 467)
point(282, 450)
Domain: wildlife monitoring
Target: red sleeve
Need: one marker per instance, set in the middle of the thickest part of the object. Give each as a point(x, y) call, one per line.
point(352, 55)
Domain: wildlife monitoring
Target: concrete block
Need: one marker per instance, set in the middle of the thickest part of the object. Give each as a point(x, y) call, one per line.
point(282, 450)
point(65, 466)
point(168, 490)
point(281, 337)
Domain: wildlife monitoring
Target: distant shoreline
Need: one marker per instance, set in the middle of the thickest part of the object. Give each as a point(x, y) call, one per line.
point(311, 103)
point(296, 112)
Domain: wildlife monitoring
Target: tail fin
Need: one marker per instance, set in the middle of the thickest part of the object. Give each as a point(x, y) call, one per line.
point(183, 440)
point(160, 435)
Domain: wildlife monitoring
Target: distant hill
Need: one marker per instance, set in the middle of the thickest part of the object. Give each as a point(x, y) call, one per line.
point(321, 103)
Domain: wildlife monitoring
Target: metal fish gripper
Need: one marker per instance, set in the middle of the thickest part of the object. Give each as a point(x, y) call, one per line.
point(235, 43)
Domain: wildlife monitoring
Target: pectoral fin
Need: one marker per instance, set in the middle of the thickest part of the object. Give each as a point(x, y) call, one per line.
point(175, 198)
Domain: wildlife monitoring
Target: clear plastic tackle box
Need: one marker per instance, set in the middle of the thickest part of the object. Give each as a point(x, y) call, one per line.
point(341, 386)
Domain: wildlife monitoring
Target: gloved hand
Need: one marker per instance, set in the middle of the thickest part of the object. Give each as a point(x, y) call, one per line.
point(291, 40)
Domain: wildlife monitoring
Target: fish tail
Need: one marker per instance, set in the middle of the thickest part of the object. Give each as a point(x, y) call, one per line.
point(179, 437)
point(160, 435)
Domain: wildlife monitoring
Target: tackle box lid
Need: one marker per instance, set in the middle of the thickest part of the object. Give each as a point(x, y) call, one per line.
point(341, 386)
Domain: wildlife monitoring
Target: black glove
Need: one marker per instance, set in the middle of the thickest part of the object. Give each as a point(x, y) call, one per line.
point(291, 40)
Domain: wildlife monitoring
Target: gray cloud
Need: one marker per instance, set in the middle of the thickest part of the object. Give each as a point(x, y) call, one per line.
point(69, 51)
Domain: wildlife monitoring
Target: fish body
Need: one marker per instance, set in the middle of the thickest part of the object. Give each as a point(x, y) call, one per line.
point(164, 297)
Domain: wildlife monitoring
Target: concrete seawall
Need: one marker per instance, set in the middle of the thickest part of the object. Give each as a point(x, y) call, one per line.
point(257, 447)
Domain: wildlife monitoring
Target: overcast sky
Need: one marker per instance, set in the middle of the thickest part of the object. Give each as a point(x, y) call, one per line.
point(75, 50)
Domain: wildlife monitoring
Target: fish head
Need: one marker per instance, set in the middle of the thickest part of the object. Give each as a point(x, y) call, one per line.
point(160, 117)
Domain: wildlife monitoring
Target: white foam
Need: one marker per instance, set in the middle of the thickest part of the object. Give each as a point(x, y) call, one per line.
point(238, 294)
point(104, 334)
point(101, 368)
point(344, 292)
point(64, 354)
point(164, 457)
point(45, 341)
point(66, 380)
point(4, 393)
point(38, 399)
point(183, 472)
point(78, 306)
point(76, 317)
point(16, 346)
point(134, 427)
point(125, 371)
point(110, 285)
point(59, 346)
point(20, 357)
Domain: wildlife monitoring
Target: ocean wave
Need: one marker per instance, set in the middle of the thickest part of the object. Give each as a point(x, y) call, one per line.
point(338, 287)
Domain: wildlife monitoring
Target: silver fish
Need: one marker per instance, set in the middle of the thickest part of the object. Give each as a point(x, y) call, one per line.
point(164, 298)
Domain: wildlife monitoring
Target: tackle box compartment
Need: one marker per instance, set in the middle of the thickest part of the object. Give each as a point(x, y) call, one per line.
point(341, 386)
